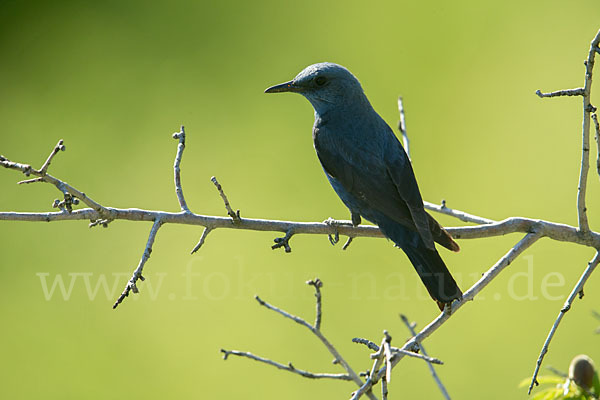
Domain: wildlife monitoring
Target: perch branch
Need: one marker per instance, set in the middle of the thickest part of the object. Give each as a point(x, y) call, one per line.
point(436, 378)
point(555, 231)
point(577, 290)
point(289, 367)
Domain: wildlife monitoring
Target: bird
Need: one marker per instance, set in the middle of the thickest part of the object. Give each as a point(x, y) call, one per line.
point(369, 170)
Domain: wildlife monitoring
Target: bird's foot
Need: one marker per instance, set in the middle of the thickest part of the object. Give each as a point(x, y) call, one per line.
point(334, 237)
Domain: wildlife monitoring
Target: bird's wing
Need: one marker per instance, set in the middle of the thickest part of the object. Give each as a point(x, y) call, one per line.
point(401, 172)
point(363, 175)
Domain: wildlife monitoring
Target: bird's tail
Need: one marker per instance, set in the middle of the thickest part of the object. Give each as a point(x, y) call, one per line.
point(427, 262)
point(435, 275)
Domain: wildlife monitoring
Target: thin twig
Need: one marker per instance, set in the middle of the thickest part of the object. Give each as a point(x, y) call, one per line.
point(59, 147)
point(366, 342)
point(137, 274)
point(289, 367)
point(235, 216)
point(205, 233)
point(461, 215)
point(558, 93)
point(436, 378)
point(177, 171)
point(62, 186)
point(336, 355)
point(318, 284)
point(423, 357)
point(387, 352)
point(402, 127)
point(597, 136)
point(577, 290)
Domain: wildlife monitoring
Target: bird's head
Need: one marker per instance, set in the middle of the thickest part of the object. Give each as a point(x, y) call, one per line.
point(325, 85)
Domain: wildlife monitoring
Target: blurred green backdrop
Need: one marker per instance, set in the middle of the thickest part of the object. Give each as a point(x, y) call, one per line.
point(114, 79)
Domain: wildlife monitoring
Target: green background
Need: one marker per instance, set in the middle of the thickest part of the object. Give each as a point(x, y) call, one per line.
point(114, 79)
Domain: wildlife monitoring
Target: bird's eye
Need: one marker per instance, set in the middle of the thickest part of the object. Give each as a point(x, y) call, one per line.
point(320, 80)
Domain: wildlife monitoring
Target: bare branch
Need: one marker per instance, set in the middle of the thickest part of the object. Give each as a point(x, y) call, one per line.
point(177, 171)
point(137, 274)
point(205, 233)
point(366, 342)
point(336, 355)
point(461, 215)
point(60, 185)
point(289, 367)
point(235, 216)
point(577, 290)
point(387, 352)
point(412, 354)
point(286, 314)
point(59, 147)
point(402, 127)
point(558, 93)
point(555, 231)
point(585, 152)
point(434, 325)
point(436, 378)
point(588, 108)
point(318, 284)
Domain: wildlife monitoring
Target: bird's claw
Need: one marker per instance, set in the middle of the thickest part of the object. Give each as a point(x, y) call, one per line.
point(334, 224)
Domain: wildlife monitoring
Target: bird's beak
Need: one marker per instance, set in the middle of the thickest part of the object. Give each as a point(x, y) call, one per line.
point(284, 87)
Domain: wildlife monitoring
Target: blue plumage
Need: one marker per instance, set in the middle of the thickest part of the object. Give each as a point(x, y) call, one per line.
point(370, 171)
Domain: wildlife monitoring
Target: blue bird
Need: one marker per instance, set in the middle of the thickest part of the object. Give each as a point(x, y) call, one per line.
point(371, 173)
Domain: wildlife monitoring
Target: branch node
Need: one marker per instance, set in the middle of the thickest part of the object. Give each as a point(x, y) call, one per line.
point(284, 241)
point(225, 352)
